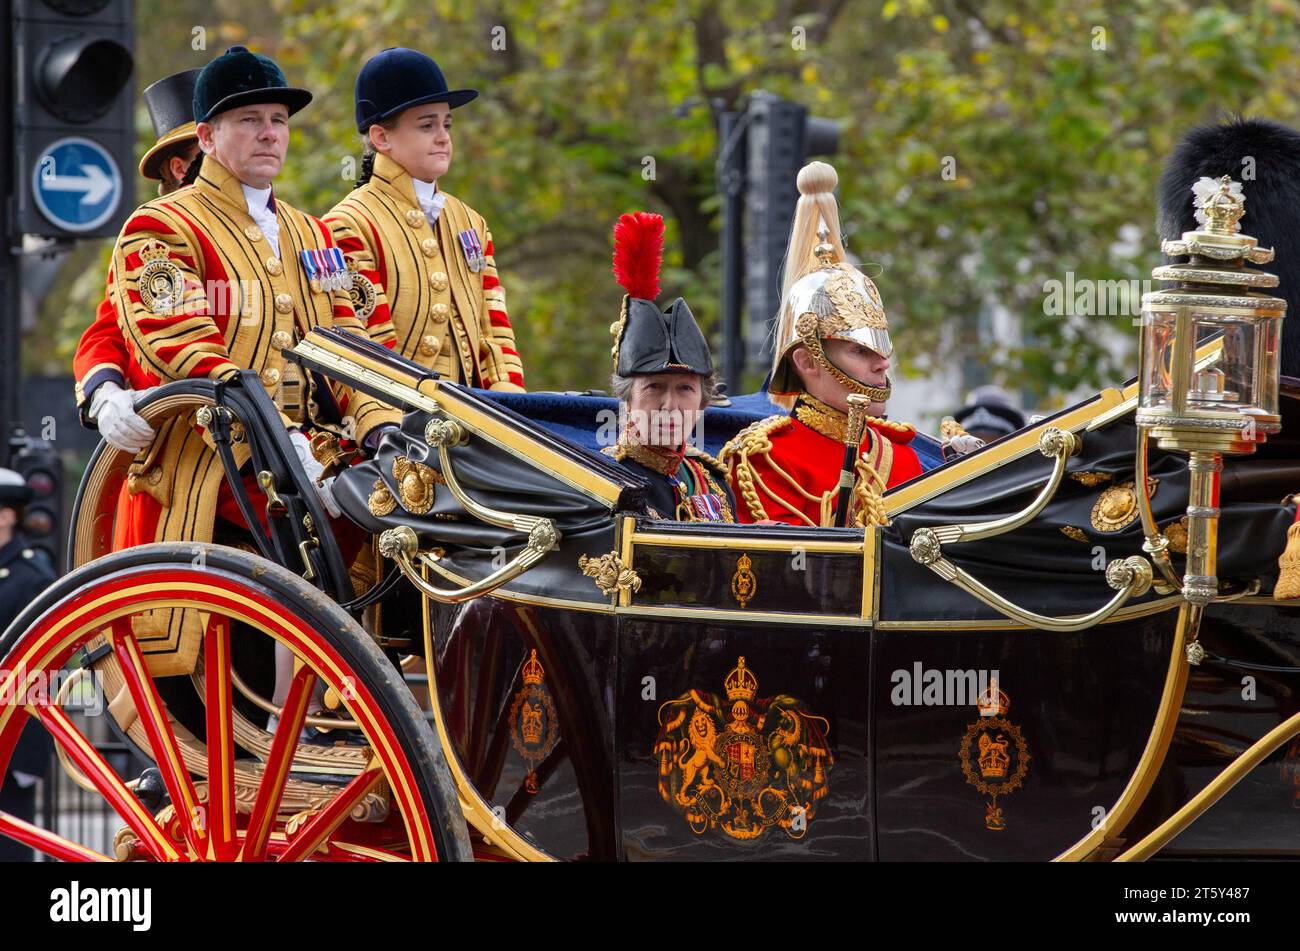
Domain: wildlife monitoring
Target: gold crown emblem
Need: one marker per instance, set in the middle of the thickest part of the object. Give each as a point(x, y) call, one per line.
point(532, 724)
point(744, 564)
point(533, 671)
point(153, 250)
point(741, 684)
point(993, 701)
point(994, 759)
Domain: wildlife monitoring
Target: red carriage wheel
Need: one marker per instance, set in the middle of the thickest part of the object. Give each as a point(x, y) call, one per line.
point(218, 819)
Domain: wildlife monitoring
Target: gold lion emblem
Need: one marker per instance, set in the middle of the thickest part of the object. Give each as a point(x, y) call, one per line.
point(743, 766)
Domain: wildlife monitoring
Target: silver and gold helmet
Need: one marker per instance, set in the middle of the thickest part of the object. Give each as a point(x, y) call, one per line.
point(833, 301)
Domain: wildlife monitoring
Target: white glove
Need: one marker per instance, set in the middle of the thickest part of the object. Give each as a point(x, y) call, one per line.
point(314, 470)
point(965, 443)
point(113, 410)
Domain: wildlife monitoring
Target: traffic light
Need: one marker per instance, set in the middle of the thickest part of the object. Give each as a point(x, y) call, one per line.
point(42, 469)
point(782, 137)
point(760, 153)
point(72, 116)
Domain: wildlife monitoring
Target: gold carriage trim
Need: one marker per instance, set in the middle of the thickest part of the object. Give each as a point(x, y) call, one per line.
point(1078, 534)
point(1117, 507)
point(744, 585)
point(610, 574)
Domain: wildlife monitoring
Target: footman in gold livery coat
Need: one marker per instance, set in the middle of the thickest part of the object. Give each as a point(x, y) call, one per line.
point(425, 280)
point(219, 277)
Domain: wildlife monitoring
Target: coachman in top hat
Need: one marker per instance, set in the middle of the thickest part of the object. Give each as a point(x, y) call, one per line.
point(108, 381)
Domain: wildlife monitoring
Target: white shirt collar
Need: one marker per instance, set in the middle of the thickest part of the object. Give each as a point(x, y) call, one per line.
point(431, 200)
point(424, 191)
point(258, 200)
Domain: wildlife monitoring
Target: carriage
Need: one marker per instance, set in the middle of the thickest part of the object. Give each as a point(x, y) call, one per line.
point(1026, 662)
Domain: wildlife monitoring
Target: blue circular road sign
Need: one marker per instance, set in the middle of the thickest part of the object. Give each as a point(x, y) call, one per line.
point(76, 184)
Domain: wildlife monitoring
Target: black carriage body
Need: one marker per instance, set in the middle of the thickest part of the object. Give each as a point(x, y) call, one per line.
point(773, 692)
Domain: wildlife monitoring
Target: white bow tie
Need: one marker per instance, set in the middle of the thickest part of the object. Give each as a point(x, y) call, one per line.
point(432, 207)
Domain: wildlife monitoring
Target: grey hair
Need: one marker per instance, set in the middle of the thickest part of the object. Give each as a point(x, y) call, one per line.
point(621, 387)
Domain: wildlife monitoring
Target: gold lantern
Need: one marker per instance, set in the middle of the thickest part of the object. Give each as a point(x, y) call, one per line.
point(1209, 362)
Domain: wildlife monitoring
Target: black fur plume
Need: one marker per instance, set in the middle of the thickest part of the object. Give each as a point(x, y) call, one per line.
point(1272, 200)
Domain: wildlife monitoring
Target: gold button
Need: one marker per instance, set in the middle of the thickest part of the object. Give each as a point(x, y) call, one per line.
point(281, 339)
point(438, 280)
point(283, 303)
point(439, 313)
point(430, 345)
point(429, 246)
point(270, 376)
point(155, 475)
point(274, 267)
point(415, 218)
point(253, 232)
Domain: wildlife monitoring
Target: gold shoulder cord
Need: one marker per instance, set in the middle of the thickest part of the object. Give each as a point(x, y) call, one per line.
point(755, 440)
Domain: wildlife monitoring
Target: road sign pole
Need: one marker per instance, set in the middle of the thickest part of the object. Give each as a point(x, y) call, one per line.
point(10, 260)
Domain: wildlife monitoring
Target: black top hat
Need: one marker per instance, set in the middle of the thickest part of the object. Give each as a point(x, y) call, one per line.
point(171, 108)
point(397, 79)
point(239, 77)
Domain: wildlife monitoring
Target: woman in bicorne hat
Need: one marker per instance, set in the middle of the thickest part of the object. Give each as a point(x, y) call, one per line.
point(664, 379)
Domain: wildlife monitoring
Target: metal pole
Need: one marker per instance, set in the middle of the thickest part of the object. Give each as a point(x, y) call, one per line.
point(10, 252)
point(731, 185)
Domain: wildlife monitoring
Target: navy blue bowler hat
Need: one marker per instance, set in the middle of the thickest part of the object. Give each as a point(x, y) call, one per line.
point(398, 79)
point(239, 77)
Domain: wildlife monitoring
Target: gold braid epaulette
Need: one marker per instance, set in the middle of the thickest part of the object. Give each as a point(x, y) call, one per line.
point(754, 439)
point(715, 464)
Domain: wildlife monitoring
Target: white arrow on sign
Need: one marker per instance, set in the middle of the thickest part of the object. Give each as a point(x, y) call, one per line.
point(92, 181)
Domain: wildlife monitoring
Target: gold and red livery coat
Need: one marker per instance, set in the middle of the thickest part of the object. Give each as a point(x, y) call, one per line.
point(236, 306)
point(446, 317)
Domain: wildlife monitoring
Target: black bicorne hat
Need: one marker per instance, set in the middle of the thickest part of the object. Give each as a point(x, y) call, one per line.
point(647, 340)
point(239, 77)
point(1265, 157)
point(398, 79)
point(662, 342)
point(171, 109)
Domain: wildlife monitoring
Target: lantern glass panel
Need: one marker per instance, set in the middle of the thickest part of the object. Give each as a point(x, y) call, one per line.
point(1157, 368)
point(1232, 385)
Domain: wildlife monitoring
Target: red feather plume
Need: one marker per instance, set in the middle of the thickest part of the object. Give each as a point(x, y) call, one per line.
point(638, 253)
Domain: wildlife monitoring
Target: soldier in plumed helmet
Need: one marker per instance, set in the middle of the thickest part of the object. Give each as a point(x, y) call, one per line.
point(424, 274)
point(664, 378)
point(832, 341)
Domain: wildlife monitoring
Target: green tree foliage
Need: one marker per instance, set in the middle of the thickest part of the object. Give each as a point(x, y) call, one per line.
point(989, 146)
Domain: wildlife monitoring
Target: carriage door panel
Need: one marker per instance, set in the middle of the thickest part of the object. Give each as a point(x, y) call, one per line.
point(742, 700)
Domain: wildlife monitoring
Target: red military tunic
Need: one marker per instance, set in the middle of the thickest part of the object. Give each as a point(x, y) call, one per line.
point(787, 468)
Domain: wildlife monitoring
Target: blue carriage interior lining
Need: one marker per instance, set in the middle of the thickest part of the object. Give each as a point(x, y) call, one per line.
point(590, 421)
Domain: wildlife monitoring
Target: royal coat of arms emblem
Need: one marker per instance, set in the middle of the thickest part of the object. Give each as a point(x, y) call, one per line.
point(743, 766)
point(534, 724)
